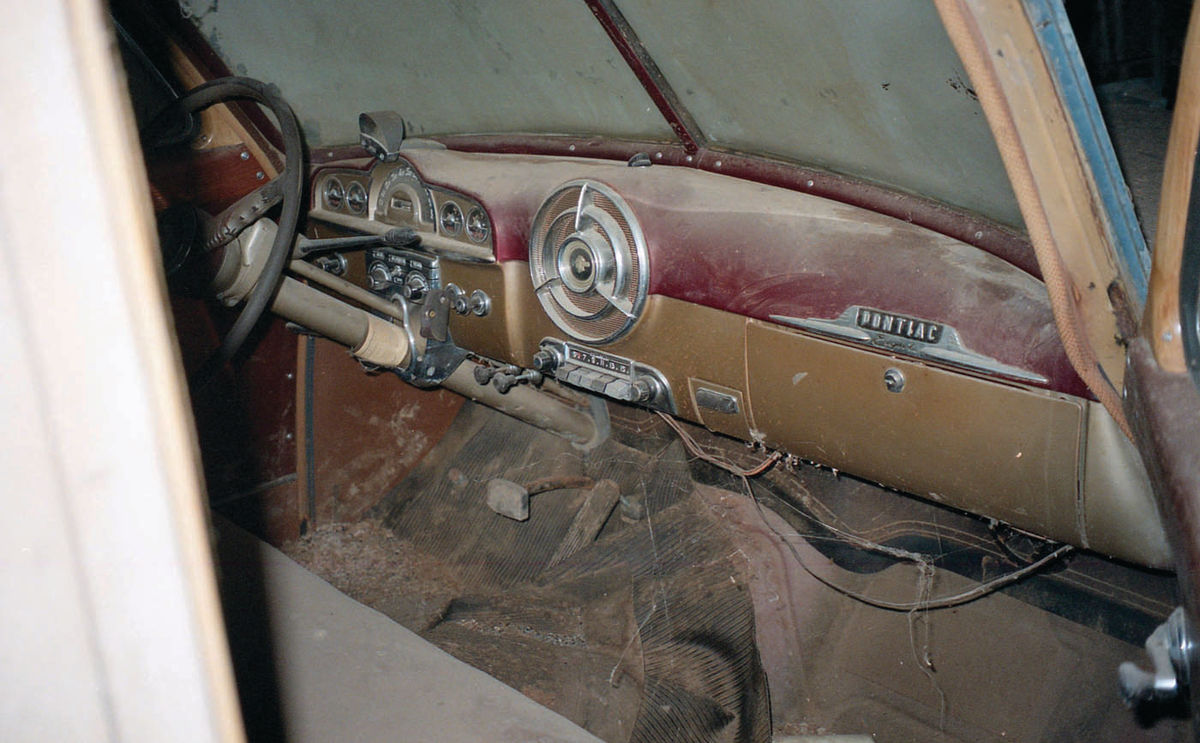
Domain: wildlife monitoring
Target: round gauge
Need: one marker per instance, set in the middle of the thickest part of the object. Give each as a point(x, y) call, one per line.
point(478, 228)
point(356, 198)
point(333, 193)
point(452, 218)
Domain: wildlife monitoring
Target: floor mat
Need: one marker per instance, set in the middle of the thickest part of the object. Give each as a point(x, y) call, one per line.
point(645, 634)
point(682, 616)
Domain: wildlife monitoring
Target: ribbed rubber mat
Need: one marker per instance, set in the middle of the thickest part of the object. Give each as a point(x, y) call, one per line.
point(652, 615)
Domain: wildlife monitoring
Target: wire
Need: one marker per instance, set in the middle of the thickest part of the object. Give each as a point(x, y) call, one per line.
point(925, 563)
point(697, 450)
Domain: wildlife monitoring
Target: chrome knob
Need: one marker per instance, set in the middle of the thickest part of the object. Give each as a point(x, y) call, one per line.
point(481, 303)
point(378, 278)
point(415, 287)
point(545, 362)
point(641, 390)
point(458, 299)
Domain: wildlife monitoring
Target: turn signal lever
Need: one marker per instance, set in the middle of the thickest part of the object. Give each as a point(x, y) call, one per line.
point(400, 237)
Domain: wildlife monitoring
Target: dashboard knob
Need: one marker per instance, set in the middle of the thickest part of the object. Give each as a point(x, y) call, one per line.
point(504, 382)
point(481, 303)
point(642, 390)
point(378, 278)
point(484, 374)
point(415, 287)
point(458, 299)
point(545, 362)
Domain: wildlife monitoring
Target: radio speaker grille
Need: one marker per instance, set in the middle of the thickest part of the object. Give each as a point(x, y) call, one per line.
point(588, 260)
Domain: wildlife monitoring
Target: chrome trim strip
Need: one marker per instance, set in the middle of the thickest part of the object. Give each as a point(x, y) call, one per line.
point(947, 349)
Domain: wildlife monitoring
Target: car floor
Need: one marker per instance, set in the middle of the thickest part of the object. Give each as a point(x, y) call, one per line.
point(346, 672)
point(693, 611)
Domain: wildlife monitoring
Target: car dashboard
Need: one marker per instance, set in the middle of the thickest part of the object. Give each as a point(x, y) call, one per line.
point(820, 329)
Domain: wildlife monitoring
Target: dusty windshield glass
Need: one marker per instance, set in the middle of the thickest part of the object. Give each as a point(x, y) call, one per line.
point(870, 88)
point(454, 67)
point(873, 90)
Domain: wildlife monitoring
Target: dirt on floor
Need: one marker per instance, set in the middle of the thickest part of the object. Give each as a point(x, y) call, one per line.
point(676, 619)
point(366, 561)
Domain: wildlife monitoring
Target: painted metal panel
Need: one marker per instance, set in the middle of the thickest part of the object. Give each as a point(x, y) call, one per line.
point(983, 447)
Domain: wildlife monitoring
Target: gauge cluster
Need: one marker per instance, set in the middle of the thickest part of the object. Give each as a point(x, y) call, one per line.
point(395, 195)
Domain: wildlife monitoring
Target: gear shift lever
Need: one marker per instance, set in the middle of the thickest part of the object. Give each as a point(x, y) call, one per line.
point(400, 237)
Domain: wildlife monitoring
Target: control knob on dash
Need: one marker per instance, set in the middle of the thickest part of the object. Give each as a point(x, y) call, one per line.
point(414, 288)
point(378, 277)
point(545, 362)
point(458, 299)
point(481, 303)
point(642, 390)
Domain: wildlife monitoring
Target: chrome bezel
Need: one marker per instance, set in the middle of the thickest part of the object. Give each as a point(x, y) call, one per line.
point(487, 225)
point(612, 269)
point(362, 200)
point(450, 207)
point(327, 194)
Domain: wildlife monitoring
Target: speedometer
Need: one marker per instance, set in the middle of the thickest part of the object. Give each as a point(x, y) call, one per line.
point(403, 198)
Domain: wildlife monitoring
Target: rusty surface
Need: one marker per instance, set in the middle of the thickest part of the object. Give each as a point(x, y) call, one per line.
point(369, 432)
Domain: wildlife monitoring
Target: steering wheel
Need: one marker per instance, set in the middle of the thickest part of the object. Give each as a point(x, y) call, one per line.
point(286, 187)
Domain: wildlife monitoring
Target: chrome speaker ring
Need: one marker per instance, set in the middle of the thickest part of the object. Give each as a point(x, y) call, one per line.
point(589, 262)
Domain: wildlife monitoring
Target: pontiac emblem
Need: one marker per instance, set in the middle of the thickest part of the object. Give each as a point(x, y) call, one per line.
point(912, 336)
point(909, 328)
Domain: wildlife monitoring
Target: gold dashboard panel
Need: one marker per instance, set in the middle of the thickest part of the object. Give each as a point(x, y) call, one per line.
point(680, 339)
point(1004, 451)
point(1001, 450)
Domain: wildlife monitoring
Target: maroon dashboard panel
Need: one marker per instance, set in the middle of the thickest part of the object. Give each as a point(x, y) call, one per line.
point(1002, 242)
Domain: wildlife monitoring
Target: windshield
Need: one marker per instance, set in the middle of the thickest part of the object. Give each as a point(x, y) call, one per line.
point(456, 67)
point(873, 90)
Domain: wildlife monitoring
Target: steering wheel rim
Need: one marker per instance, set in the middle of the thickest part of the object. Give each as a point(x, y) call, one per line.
point(286, 187)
